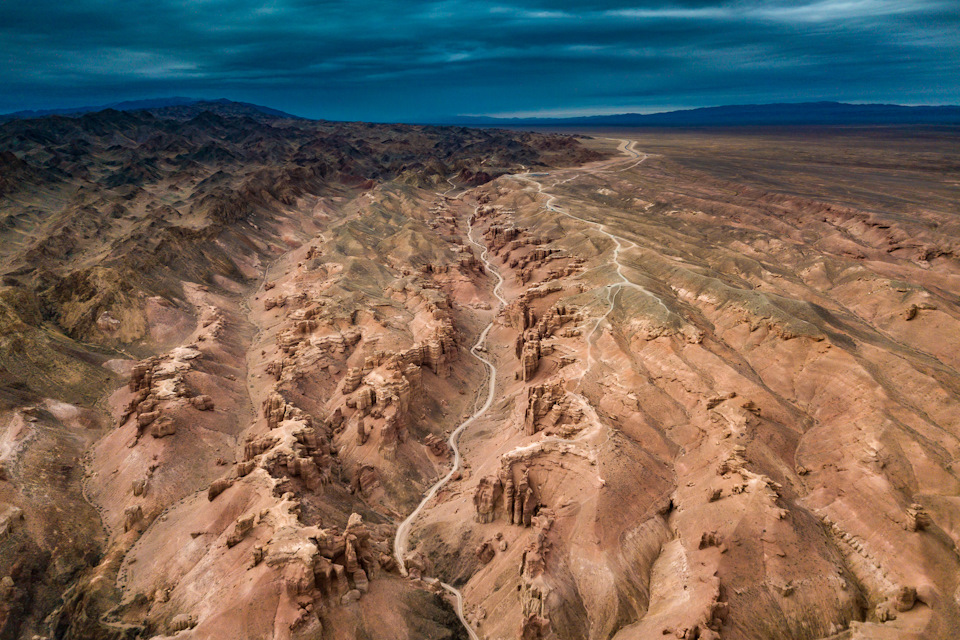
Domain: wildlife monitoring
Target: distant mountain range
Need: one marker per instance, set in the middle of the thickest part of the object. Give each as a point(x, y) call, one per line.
point(785, 114)
point(793, 114)
point(189, 107)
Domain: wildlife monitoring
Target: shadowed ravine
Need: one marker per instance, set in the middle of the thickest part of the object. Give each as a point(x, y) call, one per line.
point(403, 531)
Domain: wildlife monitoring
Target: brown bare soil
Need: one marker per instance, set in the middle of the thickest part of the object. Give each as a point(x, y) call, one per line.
point(233, 348)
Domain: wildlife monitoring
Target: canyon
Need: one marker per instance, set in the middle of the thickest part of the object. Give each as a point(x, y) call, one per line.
point(272, 378)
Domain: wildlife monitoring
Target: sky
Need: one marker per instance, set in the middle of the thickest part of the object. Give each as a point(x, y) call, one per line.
point(390, 60)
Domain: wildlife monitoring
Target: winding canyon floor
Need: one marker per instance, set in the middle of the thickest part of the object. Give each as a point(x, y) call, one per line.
point(707, 383)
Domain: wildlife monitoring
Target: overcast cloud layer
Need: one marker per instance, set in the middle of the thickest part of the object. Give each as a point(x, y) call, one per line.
point(392, 60)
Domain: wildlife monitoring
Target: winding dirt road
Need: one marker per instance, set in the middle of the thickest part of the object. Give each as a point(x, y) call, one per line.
point(402, 538)
point(620, 244)
point(403, 531)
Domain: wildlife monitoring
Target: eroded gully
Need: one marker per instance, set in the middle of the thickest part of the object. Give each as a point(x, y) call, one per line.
point(402, 538)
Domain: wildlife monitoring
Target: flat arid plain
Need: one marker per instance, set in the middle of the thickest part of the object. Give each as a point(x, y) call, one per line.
point(275, 378)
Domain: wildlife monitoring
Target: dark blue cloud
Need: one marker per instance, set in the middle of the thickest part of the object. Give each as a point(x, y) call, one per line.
point(394, 60)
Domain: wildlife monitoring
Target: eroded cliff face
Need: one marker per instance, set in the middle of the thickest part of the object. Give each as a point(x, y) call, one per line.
point(278, 520)
point(722, 408)
point(231, 348)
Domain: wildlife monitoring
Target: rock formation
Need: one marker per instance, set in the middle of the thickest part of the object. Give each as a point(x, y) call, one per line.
point(485, 499)
point(547, 406)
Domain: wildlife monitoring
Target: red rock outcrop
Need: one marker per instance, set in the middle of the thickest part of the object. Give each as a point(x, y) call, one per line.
point(485, 498)
point(547, 406)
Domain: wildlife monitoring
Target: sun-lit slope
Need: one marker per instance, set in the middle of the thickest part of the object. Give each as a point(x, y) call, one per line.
point(732, 412)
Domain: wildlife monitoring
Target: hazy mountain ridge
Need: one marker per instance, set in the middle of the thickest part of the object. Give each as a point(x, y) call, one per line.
point(824, 113)
point(159, 106)
point(784, 114)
